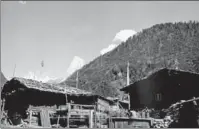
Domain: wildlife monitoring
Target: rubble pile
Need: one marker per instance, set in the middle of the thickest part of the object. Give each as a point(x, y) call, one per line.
point(183, 114)
point(162, 123)
point(173, 112)
point(155, 114)
point(179, 115)
point(158, 123)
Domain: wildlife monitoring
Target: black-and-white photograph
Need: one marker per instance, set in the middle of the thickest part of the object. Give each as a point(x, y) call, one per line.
point(99, 64)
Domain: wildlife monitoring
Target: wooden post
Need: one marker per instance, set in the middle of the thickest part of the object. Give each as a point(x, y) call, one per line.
point(100, 119)
point(58, 121)
point(116, 125)
point(68, 116)
point(66, 97)
point(109, 117)
point(14, 70)
point(91, 119)
point(96, 115)
point(30, 115)
point(77, 79)
point(195, 105)
point(128, 80)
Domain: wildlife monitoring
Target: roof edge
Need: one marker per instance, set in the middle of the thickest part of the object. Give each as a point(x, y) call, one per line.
point(155, 71)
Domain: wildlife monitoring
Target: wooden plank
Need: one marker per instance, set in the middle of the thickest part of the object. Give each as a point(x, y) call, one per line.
point(59, 117)
point(39, 108)
point(82, 105)
point(127, 118)
point(80, 110)
point(45, 119)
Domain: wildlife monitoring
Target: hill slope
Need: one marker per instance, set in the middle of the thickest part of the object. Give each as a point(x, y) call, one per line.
point(3, 79)
point(168, 45)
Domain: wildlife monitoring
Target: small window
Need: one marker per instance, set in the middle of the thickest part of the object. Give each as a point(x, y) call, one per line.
point(158, 97)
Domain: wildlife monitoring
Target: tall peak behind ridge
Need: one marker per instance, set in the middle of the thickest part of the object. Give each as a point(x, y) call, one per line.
point(75, 64)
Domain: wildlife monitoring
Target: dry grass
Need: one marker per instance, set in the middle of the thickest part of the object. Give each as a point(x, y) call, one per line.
point(55, 88)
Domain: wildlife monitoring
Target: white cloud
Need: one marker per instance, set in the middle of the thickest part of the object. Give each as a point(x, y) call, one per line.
point(123, 35)
point(108, 49)
point(22, 2)
point(75, 64)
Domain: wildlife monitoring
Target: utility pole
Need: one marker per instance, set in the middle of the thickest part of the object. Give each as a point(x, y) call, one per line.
point(14, 70)
point(77, 80)
point(128, 82)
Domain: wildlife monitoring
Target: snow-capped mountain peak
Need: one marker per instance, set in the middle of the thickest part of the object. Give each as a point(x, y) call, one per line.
point(75, 64)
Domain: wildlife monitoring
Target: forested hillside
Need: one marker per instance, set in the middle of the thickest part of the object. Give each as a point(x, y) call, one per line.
point(168, 45)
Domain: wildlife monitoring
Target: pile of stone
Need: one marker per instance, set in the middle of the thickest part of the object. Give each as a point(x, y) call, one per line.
point(162, 123)
point(158, 123)
point(184, 114)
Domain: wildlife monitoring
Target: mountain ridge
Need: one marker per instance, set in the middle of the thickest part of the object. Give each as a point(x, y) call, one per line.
point(168, 45)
